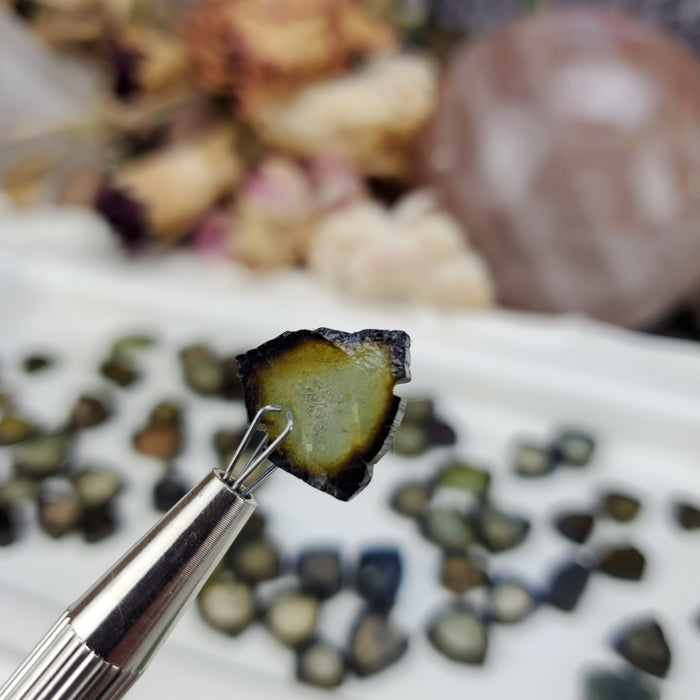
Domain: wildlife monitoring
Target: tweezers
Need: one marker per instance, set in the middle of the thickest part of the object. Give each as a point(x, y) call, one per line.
point(103, 642)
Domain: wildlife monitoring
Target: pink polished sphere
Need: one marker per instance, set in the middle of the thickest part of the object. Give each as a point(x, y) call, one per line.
point(568, 144)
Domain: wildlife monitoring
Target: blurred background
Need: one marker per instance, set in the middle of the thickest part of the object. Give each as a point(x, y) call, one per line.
point(515, 183)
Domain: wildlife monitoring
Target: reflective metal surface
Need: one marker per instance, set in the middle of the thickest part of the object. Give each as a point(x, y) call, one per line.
point(128, 612)
point(105, 639)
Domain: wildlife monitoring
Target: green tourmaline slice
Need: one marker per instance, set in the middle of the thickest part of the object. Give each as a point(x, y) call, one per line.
point(339, 389)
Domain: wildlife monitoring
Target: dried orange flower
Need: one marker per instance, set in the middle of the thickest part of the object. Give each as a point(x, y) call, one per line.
point(254, 48)
point(370, 117)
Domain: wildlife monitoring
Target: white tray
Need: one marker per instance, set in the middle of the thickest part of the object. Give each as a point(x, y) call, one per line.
point(495, 376)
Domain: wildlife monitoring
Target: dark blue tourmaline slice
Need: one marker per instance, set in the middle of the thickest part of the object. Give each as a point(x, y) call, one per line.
point(378, 577)
point(567, 585)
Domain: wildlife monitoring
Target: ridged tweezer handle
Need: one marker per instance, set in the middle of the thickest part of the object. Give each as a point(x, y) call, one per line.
point(105, 639)
point(63, 666)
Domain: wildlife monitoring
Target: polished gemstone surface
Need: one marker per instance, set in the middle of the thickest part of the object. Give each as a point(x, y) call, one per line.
point(568, 145)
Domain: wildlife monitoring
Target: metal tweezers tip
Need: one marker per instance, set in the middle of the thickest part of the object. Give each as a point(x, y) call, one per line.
point(260, 453)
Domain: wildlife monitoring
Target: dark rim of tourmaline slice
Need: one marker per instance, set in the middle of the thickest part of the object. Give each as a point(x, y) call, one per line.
point(355, 473)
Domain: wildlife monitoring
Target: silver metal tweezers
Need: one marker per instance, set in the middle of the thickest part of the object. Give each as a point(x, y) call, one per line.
point(103, 642)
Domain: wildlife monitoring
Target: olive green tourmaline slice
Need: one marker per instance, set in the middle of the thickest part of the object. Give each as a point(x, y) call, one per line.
point(339, 389)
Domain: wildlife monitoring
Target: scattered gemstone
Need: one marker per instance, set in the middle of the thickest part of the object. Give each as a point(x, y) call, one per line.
point(98, 523)
point(411, 499)
point(320, 664)
point(162, 436)
point(531, 460)
point(498, 531)
point(320, 572)
point(618, 685)
point(576, 527)
point(97, 487)
point(566, 586)
point(510, 601)
point(410, 440)
point(17, 489)
point(459, 633)
point(687, 516)
point(440, 434)
point(448, 529)
point(202, 371)
point(166, 414)
point(255, 561)
point(253, 529)
point(292, 618)
point(120, 371)
point(161, 442)
point(620, 506)
point(43, 455)
point(227, 605)
point(375, 644)
point(644, 645)
point(37, 363)
point(622, 562)
point(460, 574)
point(9, 524)
point(225, 443)
point(14, 429)
point(168, 490)
point(464, 477)
point(574, 447)
point(421, 428)
point(378, 577)
point(88, 412)
point(123, 348)
point(419, 411)
point(60, 509)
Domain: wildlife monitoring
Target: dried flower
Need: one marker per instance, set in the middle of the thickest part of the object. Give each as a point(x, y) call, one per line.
point(370, 117)
point(146, 59)
point(273, 215)
point(124, 62)
point(125, 214)
point(413, 252)
point(211, 234)
point(254, 48)
point(166, 192)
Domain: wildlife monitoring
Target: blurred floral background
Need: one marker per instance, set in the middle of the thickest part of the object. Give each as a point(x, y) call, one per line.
point(535, 155)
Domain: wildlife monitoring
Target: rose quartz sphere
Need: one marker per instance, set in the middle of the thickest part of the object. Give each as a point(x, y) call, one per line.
point(568, 145)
